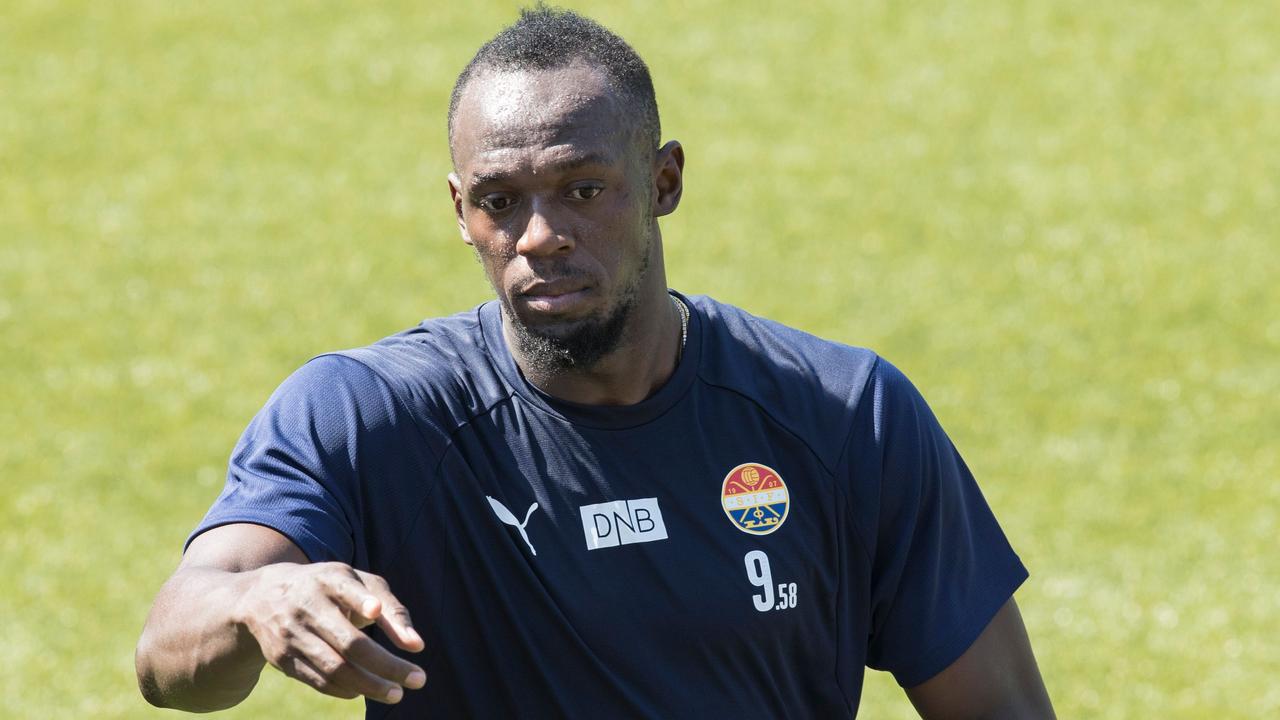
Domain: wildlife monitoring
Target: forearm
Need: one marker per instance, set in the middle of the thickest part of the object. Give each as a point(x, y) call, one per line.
point(194, 653)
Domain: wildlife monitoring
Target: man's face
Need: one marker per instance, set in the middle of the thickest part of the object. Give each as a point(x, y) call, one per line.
point(555, 195)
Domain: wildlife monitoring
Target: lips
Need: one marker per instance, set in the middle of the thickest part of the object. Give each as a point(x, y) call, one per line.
point(558, 296)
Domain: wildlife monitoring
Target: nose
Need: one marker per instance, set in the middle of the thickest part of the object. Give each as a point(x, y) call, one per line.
point(544, 233)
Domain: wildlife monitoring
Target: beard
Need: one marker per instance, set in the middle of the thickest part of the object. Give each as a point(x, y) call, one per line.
point(580, 345)
point(577, 347)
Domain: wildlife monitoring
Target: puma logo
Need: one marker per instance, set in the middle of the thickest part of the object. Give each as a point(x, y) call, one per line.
point(507, 518)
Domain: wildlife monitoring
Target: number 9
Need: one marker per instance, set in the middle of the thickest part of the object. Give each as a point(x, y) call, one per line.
point(759, 574)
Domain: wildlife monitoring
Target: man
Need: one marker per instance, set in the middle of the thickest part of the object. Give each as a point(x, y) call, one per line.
point(592, 497)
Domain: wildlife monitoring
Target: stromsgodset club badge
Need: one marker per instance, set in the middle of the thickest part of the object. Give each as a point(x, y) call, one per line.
point(755, 498)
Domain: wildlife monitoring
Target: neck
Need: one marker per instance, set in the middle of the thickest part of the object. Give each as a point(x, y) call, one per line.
point(643, 361)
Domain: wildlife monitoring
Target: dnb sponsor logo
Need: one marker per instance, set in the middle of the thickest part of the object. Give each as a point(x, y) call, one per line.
point(622, 522)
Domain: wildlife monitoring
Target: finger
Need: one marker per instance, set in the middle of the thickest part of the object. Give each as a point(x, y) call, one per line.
point(395, 622)
point(393, 616)
point(353, 596)
point(341, 676)
point(298, 668)
point(360, 651)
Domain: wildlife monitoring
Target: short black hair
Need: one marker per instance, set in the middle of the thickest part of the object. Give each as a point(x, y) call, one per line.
point(546, 38)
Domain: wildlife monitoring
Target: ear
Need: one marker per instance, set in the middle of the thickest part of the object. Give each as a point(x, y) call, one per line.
point(455, 192)
point(668, 178)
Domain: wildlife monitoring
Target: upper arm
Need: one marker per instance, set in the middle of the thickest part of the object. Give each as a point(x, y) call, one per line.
point(941, 567)
point(996, 677)
point(238, 547)
point(299, 465)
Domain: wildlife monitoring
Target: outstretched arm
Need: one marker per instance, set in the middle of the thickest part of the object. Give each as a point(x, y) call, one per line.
point(995, 678)
point(244, 595)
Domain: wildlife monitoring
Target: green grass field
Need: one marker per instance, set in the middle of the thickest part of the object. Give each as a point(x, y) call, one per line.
point(1060, 219)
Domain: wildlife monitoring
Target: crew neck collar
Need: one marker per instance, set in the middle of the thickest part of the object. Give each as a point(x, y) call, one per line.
point(612, 417)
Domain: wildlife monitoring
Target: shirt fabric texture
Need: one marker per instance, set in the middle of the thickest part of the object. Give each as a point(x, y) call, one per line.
point(563, 560)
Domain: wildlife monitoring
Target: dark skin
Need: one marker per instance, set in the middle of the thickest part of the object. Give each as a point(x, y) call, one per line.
point(243, 596)
point(559, 196)
point(995, 678)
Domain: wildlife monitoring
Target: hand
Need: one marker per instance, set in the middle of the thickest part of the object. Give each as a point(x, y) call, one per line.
point(307, 620)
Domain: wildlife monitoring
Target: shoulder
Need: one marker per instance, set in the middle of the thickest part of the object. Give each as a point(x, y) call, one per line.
point(813, 386)
point(439, 374)
point(325, 408)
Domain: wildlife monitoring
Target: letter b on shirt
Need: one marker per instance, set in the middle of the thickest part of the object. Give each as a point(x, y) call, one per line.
point(622, 522)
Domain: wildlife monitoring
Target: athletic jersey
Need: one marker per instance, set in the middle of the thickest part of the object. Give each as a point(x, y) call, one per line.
point(784, 511)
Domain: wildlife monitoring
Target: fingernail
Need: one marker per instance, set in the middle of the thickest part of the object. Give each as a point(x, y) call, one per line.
point(416, 679)
point(394, 694)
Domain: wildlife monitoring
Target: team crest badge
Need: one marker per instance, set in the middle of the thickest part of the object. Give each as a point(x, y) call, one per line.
point(755, 498)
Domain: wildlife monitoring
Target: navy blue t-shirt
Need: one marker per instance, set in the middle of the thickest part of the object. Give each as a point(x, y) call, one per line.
point(784, 511)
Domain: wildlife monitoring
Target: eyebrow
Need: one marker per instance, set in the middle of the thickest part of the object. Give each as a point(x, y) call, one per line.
point(565, 165)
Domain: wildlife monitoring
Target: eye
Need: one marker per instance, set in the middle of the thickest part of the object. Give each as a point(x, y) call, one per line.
point(496, 202)
point(585, 192)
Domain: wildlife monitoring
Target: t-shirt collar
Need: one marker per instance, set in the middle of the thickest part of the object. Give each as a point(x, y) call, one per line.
point(600, 416)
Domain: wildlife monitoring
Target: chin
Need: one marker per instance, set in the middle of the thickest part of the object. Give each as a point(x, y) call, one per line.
point(557, 328)
point(555, 343)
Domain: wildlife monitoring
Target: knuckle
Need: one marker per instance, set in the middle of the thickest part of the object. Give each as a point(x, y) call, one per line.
point(331, 667)
point(278, 659)
point(277, 616)
point(320, 682)
point(287, 665)
point(322, 573)
point(346, 643)
point(293, 666)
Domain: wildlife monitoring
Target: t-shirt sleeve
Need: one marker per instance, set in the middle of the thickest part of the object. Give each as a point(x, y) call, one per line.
point(941, 566)
point(296, 468)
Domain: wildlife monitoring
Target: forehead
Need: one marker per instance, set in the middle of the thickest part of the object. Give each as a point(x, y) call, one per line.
point(509, 116)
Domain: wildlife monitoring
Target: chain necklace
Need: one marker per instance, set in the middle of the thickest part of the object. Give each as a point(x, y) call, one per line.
point(683, 310)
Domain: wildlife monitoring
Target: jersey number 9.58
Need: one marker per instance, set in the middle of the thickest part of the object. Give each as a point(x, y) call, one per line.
point(761, 576)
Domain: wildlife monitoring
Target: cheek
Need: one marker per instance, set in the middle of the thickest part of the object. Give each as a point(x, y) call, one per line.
point(622, 218)
point(494, 255)
point(629, 242)
point(489, 240)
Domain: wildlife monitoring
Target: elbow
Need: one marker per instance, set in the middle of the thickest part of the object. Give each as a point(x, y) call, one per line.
point(170, 690)
point(143, 667)
point(153, 689)
point(152, 693)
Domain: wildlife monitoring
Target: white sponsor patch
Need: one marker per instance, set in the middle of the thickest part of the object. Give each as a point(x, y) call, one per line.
point(622, 522)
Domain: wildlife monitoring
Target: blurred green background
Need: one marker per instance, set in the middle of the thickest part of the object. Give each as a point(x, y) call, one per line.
point(1059, 218)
